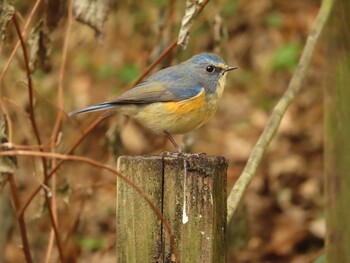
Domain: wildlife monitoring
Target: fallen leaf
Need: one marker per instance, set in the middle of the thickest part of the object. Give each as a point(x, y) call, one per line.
point(8, 164)
point(192, 6)
point(6, 12)
point(92, 13)
point(39, 47)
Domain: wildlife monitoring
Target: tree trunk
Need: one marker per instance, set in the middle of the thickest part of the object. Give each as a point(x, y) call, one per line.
point(337, 133)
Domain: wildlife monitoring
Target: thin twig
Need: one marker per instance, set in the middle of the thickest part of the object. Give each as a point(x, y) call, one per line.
point(37, 134)
point(201, 7)
point(165, 22)
point(21, 222)
point(271, 128)
point(10, 145)
point(54, 169)
point(25, 28)
point(171, 46)
point(30, 86)
point(61, 76)
point(105, 167)
point(57, 126)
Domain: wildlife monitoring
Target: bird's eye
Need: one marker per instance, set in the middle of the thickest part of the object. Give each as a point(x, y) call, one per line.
point(210, 69)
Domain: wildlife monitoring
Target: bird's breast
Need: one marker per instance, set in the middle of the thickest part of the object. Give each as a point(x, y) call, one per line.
point(187, 115)
point(181, 116)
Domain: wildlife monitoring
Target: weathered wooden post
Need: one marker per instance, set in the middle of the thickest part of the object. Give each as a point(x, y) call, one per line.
point(191, 193)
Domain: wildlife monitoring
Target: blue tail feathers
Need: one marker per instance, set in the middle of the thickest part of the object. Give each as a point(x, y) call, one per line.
point(103, 106)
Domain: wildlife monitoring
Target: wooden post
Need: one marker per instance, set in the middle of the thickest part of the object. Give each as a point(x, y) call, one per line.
point(194, 183)
point(337, 131)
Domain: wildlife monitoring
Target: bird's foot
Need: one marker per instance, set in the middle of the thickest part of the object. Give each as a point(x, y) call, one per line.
point(182, 154)
point(170, 154)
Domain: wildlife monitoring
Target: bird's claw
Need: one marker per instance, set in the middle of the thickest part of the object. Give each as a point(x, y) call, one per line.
point(182, 154)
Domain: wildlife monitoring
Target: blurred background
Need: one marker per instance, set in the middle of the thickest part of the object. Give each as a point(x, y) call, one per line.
point(281, 219)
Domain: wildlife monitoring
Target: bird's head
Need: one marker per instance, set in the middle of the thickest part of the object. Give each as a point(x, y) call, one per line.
point(209, 69)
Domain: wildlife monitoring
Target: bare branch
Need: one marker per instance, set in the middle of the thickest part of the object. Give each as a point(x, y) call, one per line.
point(37, 134)
point(32, 12)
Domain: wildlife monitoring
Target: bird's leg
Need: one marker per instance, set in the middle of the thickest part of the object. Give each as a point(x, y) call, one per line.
point(178, 149)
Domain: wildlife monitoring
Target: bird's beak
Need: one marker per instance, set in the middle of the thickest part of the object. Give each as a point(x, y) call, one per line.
point(228, 68)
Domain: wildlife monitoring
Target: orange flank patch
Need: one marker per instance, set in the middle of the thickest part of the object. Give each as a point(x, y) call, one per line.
point(187, 106)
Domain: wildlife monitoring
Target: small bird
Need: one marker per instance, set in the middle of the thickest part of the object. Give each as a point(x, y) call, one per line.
point(174, 100)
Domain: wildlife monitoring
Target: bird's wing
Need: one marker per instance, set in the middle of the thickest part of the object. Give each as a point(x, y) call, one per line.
point(170, 84)
point(150, 92)
point(165, 85)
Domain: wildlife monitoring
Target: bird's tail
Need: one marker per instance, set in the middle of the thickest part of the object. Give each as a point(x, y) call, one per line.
point(102, 106)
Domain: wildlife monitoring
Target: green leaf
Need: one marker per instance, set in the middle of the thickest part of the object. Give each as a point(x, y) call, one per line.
point(128, 73)
point(286, 57)
point(160, 3)
point(274, 20)
point(91, 243)
point(83, 60)
point(321, 259)
point(105, 71)
point(230, 8)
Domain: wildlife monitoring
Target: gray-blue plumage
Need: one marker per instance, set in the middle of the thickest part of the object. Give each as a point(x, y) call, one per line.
point(176, 83)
